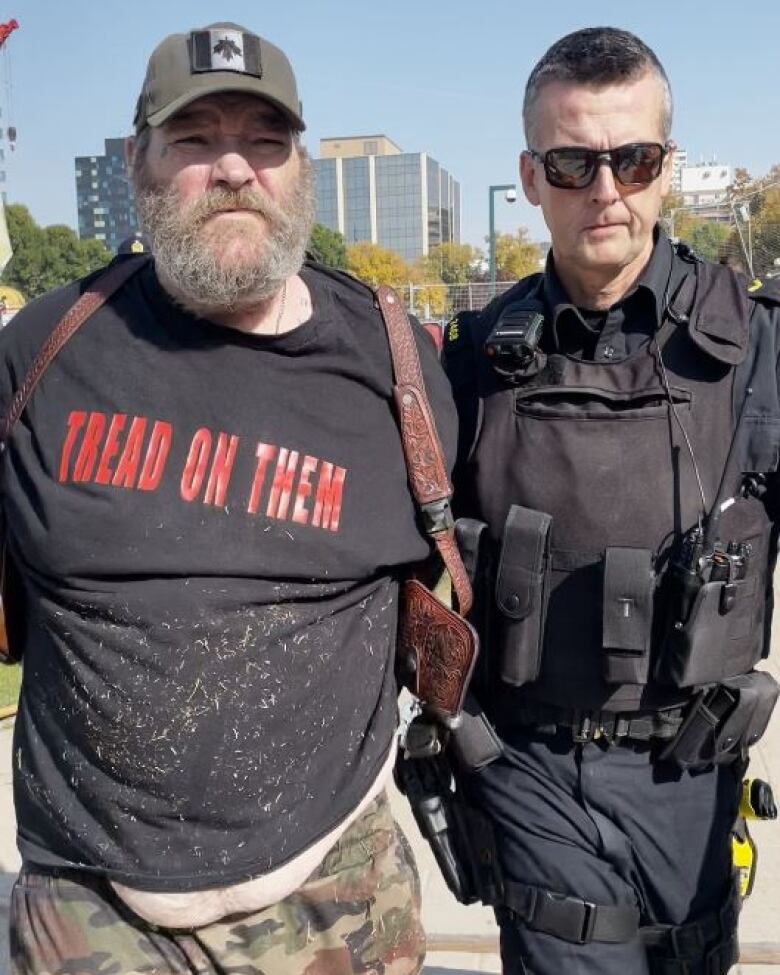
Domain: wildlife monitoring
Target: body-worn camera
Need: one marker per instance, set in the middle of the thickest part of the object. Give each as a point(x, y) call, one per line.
point(513, 344)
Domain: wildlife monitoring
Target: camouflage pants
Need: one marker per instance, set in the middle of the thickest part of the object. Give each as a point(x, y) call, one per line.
point(359, 912)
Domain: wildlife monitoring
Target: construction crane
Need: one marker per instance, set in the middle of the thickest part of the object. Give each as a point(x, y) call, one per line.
point(6, 30)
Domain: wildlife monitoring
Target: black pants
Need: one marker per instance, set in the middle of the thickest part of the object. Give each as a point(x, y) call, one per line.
point(609, 825)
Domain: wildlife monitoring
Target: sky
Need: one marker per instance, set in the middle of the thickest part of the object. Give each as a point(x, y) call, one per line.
point(441, 76)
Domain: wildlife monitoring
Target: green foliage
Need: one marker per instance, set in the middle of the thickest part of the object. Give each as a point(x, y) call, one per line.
point(328, 246)
point(450, 264)
point(10, 679)
point(376, 265)
point(516, 256)
point(707, 239)
point(47, 257)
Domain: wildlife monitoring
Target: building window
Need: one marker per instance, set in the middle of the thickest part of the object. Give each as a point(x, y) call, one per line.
point(370, 148)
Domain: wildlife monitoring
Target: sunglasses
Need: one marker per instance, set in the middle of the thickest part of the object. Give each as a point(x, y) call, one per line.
point(574, 167)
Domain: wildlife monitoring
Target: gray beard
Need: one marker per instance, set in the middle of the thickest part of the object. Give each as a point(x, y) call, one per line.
point(189, 263)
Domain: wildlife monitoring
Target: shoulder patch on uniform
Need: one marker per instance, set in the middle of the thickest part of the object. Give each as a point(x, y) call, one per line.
point(768, 291)
point(458, 328)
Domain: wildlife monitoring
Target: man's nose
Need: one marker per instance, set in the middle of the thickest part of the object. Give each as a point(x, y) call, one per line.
point(604, 189)
point(232, 170)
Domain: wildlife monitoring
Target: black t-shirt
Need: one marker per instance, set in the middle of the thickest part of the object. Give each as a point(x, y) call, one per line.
point(208, 526)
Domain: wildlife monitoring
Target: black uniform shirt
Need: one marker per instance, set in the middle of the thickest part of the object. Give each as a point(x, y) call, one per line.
point(627, 325)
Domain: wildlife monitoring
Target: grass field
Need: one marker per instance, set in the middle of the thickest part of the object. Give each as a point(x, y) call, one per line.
point(10, 678)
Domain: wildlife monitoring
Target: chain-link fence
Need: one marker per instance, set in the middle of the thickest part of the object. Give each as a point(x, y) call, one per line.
point(442, 301)
point(742, 231)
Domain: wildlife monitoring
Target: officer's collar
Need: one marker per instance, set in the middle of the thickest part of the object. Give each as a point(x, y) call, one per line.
point(652, 282)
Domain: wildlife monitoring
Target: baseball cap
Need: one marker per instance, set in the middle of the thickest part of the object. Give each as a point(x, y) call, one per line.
point(219, 57)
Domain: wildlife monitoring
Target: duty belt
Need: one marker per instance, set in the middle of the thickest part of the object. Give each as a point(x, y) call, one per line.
point(584, 726)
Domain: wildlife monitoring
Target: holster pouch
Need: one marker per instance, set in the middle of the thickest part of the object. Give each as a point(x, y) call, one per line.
point(437, 650)
point(474, 742)
point(460, 836)
point(477, 553)
point(627, 615)
point(521, 593)
point(724, 721)
point(719, 637)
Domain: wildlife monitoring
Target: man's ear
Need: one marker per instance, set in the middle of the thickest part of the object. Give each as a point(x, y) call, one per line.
point(529, 173)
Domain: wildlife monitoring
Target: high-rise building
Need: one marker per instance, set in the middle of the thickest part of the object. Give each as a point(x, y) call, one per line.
point(105, 196)
point(679, 162)
point(370, 190)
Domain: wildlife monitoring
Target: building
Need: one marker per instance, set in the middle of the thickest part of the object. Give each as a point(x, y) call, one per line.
point(104, 196)
point(358, 145)
point(370, 190)
point(705, 189)
point(679, 162)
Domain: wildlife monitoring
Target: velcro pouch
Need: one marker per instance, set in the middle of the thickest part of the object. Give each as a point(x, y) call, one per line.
point(471, 535)
point(627, 615)
point(724, 721)
point(474, 742)
point(756, 695)
point(521, 593)
point(719, 639)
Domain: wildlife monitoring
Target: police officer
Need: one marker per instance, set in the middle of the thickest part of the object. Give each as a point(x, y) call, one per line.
point(620, 428)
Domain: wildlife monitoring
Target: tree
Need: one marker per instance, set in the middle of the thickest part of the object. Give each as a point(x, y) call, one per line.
point(430, 293)
point(742, 180)
point(707, 239)
point(516, 256)
point(756, 204)
point(450, 263)
point(328, 246)
point(47, 257)
point(375, 265)
point(671, 202)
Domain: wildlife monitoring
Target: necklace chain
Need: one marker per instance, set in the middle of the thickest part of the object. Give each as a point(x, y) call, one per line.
point(282, 304)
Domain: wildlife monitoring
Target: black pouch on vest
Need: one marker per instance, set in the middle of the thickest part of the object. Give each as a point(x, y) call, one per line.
point(521, 593)
point(724, 721)
point(476, 552)
point(627, 620)
point(757, 694)
point(719, 638)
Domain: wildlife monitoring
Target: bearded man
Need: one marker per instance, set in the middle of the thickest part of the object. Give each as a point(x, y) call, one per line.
point(206, 510)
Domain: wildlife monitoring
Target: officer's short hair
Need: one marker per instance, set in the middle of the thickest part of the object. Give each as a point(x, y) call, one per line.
point(596, 56)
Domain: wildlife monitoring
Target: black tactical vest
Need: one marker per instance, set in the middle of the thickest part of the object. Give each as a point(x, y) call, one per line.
point(582, 473)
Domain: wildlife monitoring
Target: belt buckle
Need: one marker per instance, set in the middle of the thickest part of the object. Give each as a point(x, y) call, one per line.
point(588, 923)
point(586, 727)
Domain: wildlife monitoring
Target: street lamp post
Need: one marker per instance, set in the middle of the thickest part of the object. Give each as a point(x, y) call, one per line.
point(511, 196)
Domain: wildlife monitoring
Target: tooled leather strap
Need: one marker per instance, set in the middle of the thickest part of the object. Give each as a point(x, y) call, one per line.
point(96, 295)
point(422, 448)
